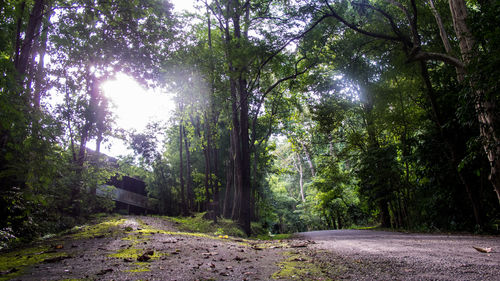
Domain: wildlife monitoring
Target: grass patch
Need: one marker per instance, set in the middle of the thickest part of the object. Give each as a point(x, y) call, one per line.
point(18, 261)
point(133, 253)
point(367, 227)
point(283, 236)
point(299, 267)
point(106, 228)
point(196, 223)
point(139, 269)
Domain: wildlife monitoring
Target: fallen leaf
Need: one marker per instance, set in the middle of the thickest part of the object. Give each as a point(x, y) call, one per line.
point(482, 250)
point(145, 256)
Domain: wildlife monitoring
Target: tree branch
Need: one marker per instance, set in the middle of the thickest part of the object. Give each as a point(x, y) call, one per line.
point(357, 29)
point(425, 56)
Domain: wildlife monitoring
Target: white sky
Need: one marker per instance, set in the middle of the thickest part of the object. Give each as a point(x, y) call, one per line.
point(180, 5)
point(134, 106)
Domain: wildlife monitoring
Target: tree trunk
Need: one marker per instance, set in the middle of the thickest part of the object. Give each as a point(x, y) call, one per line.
point(32, 31)
point(207, 177)
point(298, 166)
point(245, 210)
point(485, 109)
point(385, 218)
point(236, 158)
point(444, 39)
point(189, 187)
point(181, 169)
point(40, 72)
point(305, 148)
point(227, 207)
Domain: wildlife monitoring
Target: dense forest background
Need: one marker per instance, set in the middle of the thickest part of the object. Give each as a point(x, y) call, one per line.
point(295, 115)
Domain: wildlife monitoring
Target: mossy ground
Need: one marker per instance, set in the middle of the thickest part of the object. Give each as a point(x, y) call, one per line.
point(299, 267)
point(197, 223)
point(17, 261)
point(283, 236)
point(109, 249)
point(108, 227)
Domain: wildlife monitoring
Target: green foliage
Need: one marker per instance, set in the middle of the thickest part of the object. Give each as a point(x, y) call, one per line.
point(197, 223)
point(344, 128)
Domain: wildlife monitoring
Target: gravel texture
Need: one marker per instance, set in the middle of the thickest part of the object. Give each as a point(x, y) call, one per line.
point(151, 248)
point(382, 255)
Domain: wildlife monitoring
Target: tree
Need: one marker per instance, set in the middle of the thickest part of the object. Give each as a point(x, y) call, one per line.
point(485, 107)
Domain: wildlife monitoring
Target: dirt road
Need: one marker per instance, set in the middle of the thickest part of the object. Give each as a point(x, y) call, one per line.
point(146, 248)
point(151, 248)
point(380, 255)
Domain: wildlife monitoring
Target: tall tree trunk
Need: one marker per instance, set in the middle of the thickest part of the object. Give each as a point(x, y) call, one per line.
point(181, 170)
point(40, 72)
point(444, 38)
point(485, 108)
point(255, 183)
point(307, 153)
point(236, 154)
point(19, 25)
point(245, 210)
point(90, 114)
point(228, 199)
point(298, 165)
point(32, 32)
point(189, 187)
point(207, 177)
point(211, 151)
point(245, 187)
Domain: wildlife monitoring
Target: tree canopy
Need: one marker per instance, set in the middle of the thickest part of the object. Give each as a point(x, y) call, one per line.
point(290, 115)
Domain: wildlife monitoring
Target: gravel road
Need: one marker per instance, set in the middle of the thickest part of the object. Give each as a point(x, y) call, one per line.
point(151, 248)
point(381, 255)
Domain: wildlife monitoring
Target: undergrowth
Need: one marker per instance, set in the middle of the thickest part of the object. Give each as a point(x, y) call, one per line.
point(197, 223)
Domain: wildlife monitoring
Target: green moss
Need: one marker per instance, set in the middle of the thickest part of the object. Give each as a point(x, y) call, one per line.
point(21, 259)
point(140, 267)
point(274, 237)
point(196, 223)
point(150, 231)
point(105, 228)
point(133, 253)
point(365, 227)
point(299, 267)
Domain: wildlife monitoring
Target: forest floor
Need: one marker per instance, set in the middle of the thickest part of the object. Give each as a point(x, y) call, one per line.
point(152, 248)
